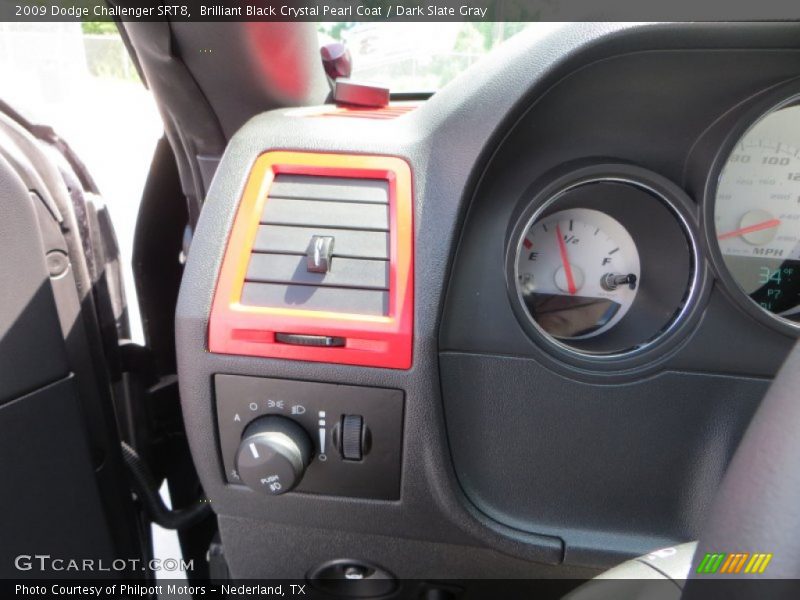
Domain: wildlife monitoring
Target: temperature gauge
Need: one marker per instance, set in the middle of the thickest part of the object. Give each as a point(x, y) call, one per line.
point(578, 272)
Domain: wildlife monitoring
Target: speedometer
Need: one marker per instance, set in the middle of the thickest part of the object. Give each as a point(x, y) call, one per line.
point(757, 213)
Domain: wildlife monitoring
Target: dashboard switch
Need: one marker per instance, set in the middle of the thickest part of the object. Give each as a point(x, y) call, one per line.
point(352, 447)
point(367, 465)
point(273, 455)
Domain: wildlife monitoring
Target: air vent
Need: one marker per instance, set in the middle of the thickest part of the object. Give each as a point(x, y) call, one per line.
point(321, 249)
point(353, 214)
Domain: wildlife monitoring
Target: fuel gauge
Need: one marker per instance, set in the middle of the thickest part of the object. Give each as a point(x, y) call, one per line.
point(600, 265)
point(578, 272)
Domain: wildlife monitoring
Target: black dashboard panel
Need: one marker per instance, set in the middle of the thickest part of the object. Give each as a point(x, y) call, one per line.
point(507, 450)
point(637, 459)
point(597, 465)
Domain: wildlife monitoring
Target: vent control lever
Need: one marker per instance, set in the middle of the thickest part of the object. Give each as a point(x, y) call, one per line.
point(319, 254)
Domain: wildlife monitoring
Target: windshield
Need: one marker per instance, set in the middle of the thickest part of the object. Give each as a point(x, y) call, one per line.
point(416, 57)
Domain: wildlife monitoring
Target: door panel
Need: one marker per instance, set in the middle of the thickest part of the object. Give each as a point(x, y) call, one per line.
point(65, 493)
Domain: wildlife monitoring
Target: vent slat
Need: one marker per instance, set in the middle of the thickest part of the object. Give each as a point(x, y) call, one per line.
point(344, 272)
point(371, 217)
point(335, 189)
point(363, 302)
point(348, 243)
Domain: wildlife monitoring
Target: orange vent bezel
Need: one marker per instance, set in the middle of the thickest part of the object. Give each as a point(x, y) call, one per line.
point(382, 113)
point(374, 341)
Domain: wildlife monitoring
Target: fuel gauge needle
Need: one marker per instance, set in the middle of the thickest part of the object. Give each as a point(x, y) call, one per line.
point(562, 248)
point(750, 229)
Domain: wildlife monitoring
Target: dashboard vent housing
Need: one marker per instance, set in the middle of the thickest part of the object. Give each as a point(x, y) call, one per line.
point(321, 249)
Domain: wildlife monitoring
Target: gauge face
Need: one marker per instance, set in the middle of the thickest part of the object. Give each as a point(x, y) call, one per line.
point(577, 272)
point(757, 213)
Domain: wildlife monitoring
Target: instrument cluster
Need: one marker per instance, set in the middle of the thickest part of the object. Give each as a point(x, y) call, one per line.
point(607, 260)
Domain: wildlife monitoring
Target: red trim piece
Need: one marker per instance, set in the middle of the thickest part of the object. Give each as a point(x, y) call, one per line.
point(373, 341)
point(384, 113)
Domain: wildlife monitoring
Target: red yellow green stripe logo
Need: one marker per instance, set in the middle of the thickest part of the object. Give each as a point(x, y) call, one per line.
point(734, 563)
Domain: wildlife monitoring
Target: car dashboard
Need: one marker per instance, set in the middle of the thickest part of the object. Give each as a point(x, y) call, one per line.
point(514, 330)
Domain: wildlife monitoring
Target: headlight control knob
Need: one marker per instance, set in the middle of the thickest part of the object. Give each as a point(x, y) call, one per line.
point(273, 455)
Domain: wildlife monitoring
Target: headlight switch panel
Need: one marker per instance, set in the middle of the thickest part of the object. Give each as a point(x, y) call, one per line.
point(354, 436)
